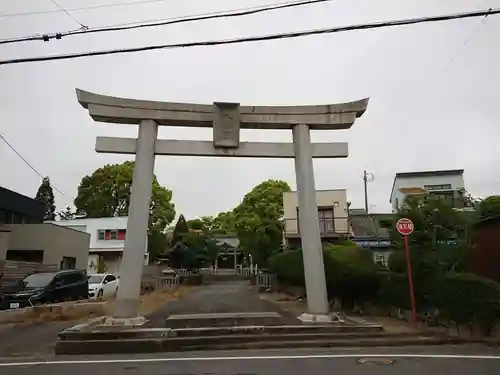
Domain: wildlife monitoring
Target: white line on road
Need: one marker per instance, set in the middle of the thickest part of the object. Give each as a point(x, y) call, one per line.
point(249, 358)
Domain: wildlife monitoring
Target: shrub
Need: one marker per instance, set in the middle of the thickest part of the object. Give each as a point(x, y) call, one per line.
point(351, 275)
point(288, 267)
point(394, 291)
point(460, 297)
point(468, 299)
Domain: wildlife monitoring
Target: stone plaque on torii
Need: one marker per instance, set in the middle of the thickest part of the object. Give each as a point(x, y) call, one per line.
point(226, 119)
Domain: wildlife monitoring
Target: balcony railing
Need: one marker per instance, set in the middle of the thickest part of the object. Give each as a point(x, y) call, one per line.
point(327, 227)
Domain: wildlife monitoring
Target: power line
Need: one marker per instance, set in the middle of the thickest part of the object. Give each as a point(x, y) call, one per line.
point(156, 23)
point(290, 35)
point(448, 65)
point(69, 14)
point(461, 48)
point(129, 3)
point(27, 162)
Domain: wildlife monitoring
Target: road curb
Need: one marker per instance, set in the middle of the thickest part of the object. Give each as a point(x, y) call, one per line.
point(178, 344)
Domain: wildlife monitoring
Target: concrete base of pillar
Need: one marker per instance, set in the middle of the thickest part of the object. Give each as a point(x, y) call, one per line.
point(320, 318)
point(124, 322)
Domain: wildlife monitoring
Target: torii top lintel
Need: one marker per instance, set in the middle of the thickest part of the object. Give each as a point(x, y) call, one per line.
point(111, 109)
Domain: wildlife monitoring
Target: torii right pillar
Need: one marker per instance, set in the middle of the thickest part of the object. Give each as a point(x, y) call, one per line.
point(312, 248)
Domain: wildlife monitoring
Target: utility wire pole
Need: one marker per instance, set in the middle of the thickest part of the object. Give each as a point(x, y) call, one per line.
point(367, 177)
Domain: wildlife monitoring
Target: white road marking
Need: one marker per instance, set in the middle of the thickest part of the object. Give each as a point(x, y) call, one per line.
point(249, 358)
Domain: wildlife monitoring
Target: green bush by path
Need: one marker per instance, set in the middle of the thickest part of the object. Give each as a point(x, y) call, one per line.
point(465, 298)
point(351, 274)
point(460, 298)
point(288, 267)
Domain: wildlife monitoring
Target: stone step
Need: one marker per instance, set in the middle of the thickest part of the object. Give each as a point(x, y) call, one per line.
point(119, 333)
point(326, 342)
point(222, 319)
point(230, 339)
point(243, 342)
point(273, 330)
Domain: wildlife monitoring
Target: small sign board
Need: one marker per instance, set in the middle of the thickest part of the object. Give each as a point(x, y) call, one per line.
point(405, 226)
point(226, 125)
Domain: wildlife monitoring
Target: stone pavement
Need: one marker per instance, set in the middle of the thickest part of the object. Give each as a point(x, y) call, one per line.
point(220, 297)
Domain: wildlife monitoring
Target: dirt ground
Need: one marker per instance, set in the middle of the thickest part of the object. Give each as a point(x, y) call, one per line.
point(391, 325)
point(35, 337)
point(151, 302)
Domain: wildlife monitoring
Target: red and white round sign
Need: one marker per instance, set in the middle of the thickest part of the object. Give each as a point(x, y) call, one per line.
point(405, 226)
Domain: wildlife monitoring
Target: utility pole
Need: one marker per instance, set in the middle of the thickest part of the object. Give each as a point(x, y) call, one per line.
point(367, 177)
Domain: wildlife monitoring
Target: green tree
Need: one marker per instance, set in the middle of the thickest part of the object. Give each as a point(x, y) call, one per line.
point(196, 224)
point(45, 194)
point(67, 214)
point(440, 240)
point(258, 219)
point(157, 244)
point(194, 246)
point(106, 193)
point(223, 223)
point(180, 230)
point(490, 206)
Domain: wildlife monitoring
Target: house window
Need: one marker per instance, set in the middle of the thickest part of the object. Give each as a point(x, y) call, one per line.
point(111, 234)
point(121, 235)
point(438, 187)
point(68, 263)
point(325, 218)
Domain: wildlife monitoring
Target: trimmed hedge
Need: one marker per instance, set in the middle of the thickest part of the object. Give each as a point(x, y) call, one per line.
point(461, 298)
point(467, 298)
point(288, 267)
point(351, 275)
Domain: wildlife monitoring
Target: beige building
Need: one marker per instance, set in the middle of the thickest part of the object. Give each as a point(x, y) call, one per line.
point(332, 216)
point(48, 244)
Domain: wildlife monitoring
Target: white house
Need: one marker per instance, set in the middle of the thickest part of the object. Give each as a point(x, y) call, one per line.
point(445, 184)
point(107, 239)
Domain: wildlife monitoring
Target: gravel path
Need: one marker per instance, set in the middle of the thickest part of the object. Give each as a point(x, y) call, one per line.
point(221, 297)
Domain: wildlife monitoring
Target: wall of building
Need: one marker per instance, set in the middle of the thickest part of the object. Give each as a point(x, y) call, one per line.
point(484, 258)
point(56, 242)
point(16, 208)
point(324, 198)
point(456, 182)
point(92, 227)
point(4, 241)
point(110, 250)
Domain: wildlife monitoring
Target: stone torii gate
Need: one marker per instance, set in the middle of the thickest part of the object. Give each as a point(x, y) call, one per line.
point(226, 120)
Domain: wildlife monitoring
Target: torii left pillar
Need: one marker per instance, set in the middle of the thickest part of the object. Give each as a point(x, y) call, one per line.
point(127, 303)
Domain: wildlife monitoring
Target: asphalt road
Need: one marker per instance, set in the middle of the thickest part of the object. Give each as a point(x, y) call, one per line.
point(18, 340)
point(463, 360)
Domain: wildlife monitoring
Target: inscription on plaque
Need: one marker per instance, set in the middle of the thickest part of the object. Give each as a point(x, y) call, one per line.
point(226, 125)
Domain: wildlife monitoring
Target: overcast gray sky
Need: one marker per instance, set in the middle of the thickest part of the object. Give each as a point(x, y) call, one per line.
point(415, 119)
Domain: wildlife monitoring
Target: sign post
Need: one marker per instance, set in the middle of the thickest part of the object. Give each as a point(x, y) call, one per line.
point(405, 228)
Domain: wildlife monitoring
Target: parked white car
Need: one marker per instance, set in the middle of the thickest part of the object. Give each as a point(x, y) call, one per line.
point(103, 285)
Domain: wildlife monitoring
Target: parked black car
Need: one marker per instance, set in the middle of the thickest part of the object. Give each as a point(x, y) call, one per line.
point(46, 287)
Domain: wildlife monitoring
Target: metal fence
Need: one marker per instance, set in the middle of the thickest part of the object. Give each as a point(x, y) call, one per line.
point(266, 281)
point(167, 283)
point(247, 272)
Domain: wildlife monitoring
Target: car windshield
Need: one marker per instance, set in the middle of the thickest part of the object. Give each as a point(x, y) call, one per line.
point(38, 280)
point(95, 279)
